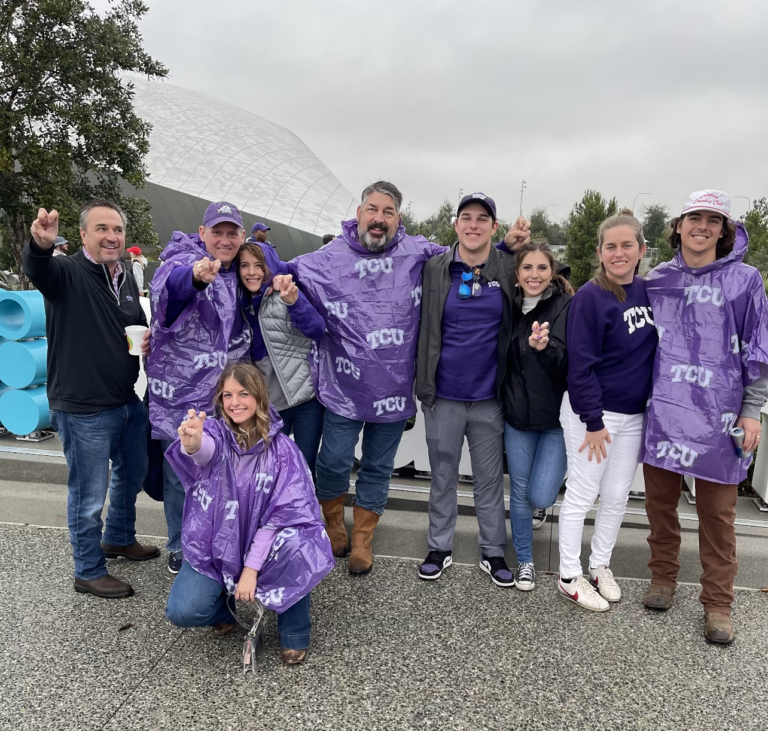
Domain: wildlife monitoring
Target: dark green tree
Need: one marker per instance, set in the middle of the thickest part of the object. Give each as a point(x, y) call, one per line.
point(439, 226)
point(756, 223)
point(409, 221)
point(655, 219)
point(543, 227)
point(585, 219)
point(68, 131)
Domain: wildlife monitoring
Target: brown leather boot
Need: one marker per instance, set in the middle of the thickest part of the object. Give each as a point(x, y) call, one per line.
point(718, 628)
point(659, 597)
point(361, 558)
point(105, 587)
point(333, 512)
point(134, 552)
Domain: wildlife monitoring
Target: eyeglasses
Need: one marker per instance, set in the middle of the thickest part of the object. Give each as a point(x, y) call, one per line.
point(465, 290)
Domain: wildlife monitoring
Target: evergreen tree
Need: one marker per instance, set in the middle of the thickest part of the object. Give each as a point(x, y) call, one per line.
point(756, 223)
point(581, 246)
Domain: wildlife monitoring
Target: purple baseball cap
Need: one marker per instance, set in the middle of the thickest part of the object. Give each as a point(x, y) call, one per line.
point(488, 203)
point(259, 226)
point(221, 212)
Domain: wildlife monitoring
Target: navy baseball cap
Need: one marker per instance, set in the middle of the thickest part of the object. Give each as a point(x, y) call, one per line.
point(222, 212)
point(259, 226)
point(488, 203)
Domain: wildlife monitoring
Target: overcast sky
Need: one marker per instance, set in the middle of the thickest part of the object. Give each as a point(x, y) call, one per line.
point(657, 97)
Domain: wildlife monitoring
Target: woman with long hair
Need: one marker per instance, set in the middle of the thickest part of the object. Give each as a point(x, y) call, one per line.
point(531, 395)
point(252, 526)
point(283, 328)
point(611, 346)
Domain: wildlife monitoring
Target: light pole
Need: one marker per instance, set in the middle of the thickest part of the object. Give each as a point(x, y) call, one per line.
point(522, 188)
point(749, 202)
point(634, 203)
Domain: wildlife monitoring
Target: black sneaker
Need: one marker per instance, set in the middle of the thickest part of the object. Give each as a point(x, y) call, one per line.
point(175, 559)
point(498, 570)
point(539, 518)
point(434, 565)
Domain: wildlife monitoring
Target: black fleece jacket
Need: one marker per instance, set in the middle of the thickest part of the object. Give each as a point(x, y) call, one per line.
point(536, 380)
point(89, 367)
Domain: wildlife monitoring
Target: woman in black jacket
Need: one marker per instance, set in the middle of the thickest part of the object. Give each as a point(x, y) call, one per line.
point(531, 395)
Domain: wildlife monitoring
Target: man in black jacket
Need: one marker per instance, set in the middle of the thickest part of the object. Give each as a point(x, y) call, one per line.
point(465, 326)
point(89, 301)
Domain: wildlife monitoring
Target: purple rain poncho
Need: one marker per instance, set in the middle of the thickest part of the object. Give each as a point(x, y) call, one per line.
point(189, 355)
point(713, 340)
point(365, 362)
point(238, 492)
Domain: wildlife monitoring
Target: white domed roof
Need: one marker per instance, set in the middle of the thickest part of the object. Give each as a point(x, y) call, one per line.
point(216, 151)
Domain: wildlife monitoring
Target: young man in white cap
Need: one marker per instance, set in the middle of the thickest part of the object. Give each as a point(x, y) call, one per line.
point(711, 314)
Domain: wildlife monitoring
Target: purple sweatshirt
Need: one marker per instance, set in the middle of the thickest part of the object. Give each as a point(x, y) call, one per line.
point(611, 346)
point(466, 370)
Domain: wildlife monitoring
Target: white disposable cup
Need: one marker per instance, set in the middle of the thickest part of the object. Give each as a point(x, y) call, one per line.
point(135, 335)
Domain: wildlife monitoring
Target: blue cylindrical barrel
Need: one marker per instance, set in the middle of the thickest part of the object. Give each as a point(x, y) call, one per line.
point(24, 411)
point(22, 315)
point(23, 363)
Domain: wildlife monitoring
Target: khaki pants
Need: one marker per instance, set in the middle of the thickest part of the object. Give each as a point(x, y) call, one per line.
point(716, 507)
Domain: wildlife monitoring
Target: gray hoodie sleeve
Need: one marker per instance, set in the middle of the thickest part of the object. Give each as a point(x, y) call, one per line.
point(755, 396)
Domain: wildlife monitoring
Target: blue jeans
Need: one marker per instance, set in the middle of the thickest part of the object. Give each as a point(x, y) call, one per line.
point(537, 463)
point(306, 423)
point(90, 442)
point(197, 601)
point(337, 457)
point(173, 501)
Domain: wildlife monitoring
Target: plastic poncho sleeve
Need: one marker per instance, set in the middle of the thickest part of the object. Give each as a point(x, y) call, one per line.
point(306, 318)
point(182, 289)
point(754, 345)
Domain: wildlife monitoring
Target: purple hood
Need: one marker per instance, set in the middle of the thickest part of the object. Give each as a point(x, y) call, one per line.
point(188, 357)
point(237, 493)
point(713, 340)
point(364, 365)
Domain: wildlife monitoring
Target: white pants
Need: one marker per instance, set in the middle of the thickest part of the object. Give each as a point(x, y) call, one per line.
point(610, 480)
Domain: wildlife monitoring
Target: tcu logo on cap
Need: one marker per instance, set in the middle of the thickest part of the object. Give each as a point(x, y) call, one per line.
point(224, 209)
point(479, 195)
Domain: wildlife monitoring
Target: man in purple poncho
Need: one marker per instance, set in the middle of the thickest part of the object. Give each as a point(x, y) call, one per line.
point(709, 376)
point(194, 299)
point(252, 526)
point(367, 282)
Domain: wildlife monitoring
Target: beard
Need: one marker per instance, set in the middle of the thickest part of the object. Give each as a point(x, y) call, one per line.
point(373, 245)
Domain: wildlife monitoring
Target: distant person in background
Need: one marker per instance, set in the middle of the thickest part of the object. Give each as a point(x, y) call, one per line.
point(259, 234)
point(194, 304)
point(328, 238)
point(60, 246)
point(138, 265)
point(89, 300)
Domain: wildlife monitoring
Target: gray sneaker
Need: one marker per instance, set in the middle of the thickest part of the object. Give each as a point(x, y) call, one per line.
point(525, 577)
point(539, 518)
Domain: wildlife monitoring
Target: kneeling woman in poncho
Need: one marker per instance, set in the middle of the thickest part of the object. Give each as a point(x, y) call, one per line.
point(252, 526)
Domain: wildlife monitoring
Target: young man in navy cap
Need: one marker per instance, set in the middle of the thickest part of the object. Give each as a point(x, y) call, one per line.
point(194, 299)
point(465, 318)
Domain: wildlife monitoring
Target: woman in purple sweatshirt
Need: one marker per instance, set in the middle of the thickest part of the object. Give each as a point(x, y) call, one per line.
point(611, 346)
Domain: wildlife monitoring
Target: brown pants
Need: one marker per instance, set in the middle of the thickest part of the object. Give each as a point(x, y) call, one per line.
point(716, 507)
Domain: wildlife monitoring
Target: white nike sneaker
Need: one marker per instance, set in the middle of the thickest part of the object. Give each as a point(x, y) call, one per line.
point(602, 579)
point(582, 593)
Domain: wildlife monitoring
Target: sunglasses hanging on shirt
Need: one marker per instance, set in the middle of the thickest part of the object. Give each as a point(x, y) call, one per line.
point(470, 284)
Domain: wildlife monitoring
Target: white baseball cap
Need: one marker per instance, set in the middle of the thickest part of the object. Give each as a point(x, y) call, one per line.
point(708, 200)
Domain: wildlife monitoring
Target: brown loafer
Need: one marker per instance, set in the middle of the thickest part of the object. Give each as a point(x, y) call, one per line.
point(718, 628)
point(134, 552)
point(659, 597)
point(293, 657)
point(223, 628)
point(105, 587)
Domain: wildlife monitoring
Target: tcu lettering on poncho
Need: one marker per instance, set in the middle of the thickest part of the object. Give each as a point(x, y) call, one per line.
point(713, 339)
point(238, 492)
point(188, 357)
point(365, 362)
